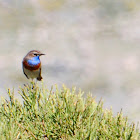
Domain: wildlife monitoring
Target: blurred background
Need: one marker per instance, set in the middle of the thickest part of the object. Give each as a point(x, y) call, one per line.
point(92, 44)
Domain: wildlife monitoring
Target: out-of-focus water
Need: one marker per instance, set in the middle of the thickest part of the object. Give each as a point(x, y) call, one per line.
point(91, 45)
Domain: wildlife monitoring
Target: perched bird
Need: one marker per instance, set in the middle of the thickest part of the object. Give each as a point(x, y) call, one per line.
point(31, 65)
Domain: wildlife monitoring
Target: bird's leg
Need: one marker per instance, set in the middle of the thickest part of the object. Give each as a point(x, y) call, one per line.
point(35, 82)
point(32, 83)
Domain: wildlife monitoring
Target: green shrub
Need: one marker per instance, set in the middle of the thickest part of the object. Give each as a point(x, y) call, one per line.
point(60, 114)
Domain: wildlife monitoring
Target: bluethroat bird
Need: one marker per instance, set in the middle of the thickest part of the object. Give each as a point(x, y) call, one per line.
point(31, 65)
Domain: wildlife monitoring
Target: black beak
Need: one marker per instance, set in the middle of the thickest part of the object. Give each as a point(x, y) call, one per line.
point(41, 54)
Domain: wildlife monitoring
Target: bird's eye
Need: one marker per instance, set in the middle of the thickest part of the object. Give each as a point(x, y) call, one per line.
point(35, 54)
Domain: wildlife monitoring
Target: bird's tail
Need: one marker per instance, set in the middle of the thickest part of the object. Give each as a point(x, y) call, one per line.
point(39, 78)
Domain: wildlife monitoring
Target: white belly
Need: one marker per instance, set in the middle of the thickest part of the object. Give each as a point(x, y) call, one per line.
point(32, 74)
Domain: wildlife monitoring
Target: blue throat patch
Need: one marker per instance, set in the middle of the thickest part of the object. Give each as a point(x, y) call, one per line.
point(34, 61)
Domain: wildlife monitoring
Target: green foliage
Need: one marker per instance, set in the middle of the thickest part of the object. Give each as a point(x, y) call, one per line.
point(60, 114)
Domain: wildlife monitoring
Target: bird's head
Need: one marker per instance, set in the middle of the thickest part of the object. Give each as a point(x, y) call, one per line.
point(34, 53)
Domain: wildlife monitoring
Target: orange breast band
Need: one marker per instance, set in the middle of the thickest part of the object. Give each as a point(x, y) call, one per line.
point(29, 67)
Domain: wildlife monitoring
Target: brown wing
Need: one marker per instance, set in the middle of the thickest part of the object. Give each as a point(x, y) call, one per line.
point(24, 72)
